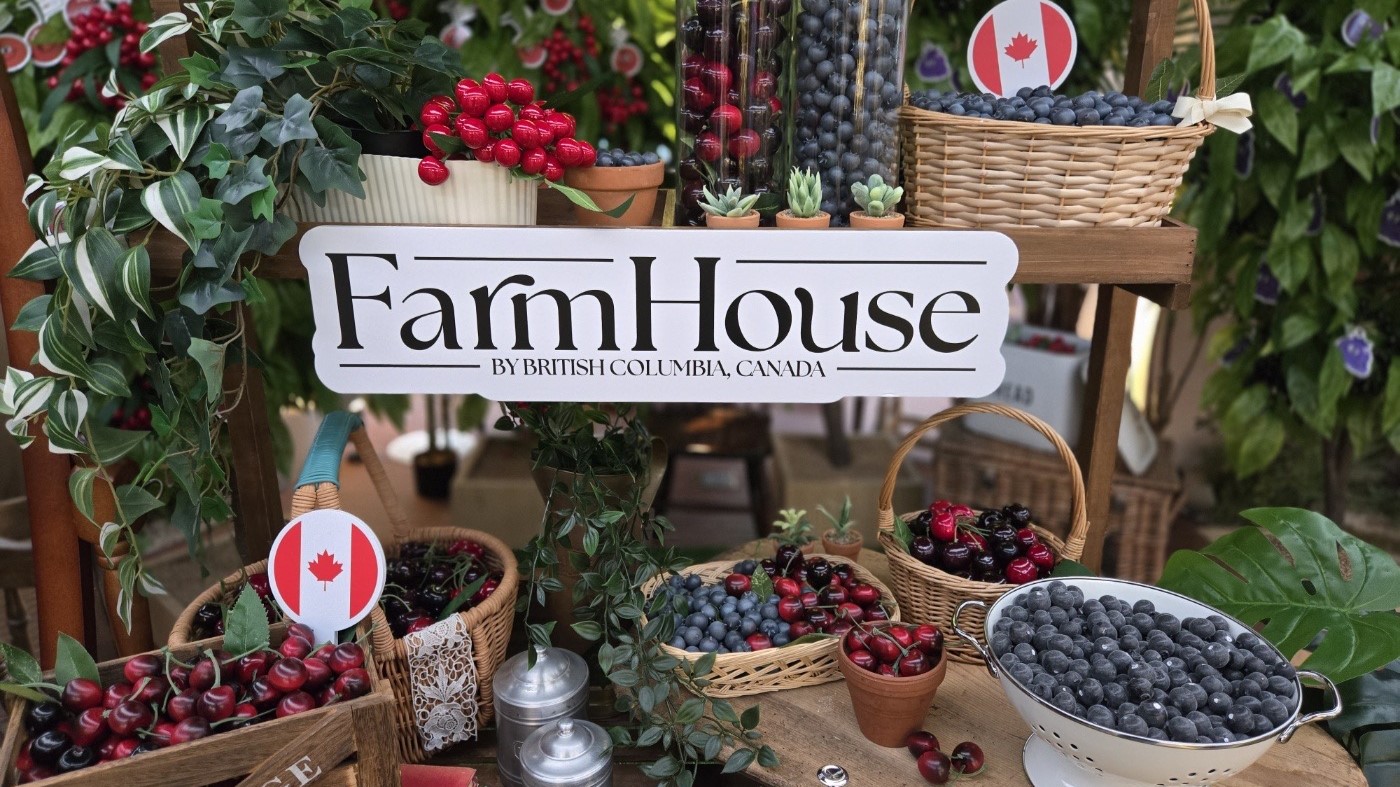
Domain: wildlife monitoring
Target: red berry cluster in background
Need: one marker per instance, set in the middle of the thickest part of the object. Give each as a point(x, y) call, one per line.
point(95, 29)
point(991, 546)
point(895, 650)
point(134, 413)
point(564, 64)
point(501, 121)
point(1054, 344)
point(396, 9)
point(619, 106)
point(936, 767)
point(161, 701)
point(425, 580)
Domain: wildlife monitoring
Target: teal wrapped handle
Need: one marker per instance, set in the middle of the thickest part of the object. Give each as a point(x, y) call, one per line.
point(323, 458)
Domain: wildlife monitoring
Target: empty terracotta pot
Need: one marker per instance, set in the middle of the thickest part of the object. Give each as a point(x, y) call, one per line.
point(747, 221)
point(888, 709)
point(889, 221)
point(786, 220)
point(611, 186)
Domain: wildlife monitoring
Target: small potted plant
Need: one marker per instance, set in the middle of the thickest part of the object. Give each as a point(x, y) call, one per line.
point(804, 196)
point(615, 178)
point(792, 528)
point(730, 210)
point(877, 200)
point(892, 671)
point(842, 539)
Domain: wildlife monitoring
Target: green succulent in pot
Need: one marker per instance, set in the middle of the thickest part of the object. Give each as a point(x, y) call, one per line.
point(876, 197)
point(804, 196)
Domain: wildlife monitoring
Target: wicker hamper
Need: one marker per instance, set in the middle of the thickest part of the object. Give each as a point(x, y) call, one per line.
point(489, 623)
point(929, 595)
point(976, 172)
point(975, 470)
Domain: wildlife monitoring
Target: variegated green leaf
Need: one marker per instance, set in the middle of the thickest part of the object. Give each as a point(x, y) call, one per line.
point(65, 421)
point(105, 377)
point(107, 538)
point(79, 162)
point(41, 214)
point(153, 102)
point(183, 127)
point(92, 268)
point(110, 88)
point(32, 185)
point(123, 151)
point(80, 489)
point(134, 274)
point(164, 29)
point(57, 352)
point(13, 379)
point(32, 314)
point(19, 430)
point(170, 200)
point(39, 263)
point(32, 396)
point(150, 585)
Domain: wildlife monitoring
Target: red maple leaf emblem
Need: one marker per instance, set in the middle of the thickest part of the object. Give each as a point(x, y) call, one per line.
point(325, 568)
point(1021, 48)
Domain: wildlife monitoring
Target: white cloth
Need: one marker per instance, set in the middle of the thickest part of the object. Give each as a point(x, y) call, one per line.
point(1228, 112)
point(443, 675)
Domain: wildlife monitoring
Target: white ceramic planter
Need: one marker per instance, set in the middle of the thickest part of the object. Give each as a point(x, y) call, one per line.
point(475, 193)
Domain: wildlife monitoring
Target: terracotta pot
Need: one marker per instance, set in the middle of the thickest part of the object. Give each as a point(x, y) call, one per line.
point(611, 186)
point(788, 221)
point(747, 221)
point(888, 709)
point(889, 221)
point(848, 550)
point(548, 480)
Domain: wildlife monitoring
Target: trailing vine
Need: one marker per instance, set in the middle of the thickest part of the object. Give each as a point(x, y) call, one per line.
point(613, 543)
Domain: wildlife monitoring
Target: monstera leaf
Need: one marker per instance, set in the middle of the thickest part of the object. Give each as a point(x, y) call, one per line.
point(1299, 575)
point(1370, 723)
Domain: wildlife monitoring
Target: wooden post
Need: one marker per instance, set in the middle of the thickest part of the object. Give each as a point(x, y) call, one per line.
point(257, 500)
point(1150, 42)
point(58, 578)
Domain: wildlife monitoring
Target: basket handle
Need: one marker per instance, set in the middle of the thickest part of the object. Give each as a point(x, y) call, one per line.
point(1079, 517)
point(318, 486)
point(1206, 90)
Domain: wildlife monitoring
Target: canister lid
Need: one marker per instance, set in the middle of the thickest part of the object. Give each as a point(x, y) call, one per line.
point(548, 690)
point(566, 752)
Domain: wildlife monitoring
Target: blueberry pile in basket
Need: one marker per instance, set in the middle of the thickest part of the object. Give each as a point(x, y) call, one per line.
point(809, 595)
point(1125, 666)
point(991, 546)
point(1043, 105)
point(620, 158)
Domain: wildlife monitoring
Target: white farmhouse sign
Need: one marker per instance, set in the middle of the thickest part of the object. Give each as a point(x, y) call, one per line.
point(565, 314)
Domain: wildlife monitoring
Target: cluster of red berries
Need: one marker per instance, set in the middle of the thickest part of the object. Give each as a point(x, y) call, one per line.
point(161, 701)
point(500, 121)
point(426, 580)
point(96, 29)
point(936, 767)
point(991, 546)
point(895, 650)
point(133, 413)
point(397, 9)
point(1054, 344)
point(618, 106)
point(562, 53)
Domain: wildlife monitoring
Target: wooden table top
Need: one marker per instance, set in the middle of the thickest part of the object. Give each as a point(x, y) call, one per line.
point(814, 726)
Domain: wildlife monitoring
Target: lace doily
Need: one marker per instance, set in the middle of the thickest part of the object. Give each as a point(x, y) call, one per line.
point(443, 675)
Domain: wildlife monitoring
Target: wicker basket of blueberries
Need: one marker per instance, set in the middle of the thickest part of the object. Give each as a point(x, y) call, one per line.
point(1127, 685)
point(1037, 158)
point(770, 624)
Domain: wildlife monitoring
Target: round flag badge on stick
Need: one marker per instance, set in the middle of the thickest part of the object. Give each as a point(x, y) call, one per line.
point(327, 571)
point(1021, 43)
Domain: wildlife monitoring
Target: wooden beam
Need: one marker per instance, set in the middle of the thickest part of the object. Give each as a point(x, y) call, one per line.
point(257, 499)
point(58, 577)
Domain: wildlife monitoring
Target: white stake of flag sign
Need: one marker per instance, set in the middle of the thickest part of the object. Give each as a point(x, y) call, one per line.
point(326, 569)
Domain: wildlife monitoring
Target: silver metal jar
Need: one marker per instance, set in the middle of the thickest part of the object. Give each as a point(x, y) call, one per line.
point(567, 753)
point(527, 699)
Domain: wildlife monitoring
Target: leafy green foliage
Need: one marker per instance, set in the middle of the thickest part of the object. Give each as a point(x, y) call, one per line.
point(245, 627)
point(73, 661)
point(208, 155)
point(1299, 575)
point(793, 527)
point(1290, 251)
point(1370, 723)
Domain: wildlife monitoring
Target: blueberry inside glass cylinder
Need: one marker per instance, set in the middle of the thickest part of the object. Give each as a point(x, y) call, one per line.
point(849, 86)
point(733, 99)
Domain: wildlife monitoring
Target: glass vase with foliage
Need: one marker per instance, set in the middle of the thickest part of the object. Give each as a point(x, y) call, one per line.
point(1299, 226)
point(201, 163)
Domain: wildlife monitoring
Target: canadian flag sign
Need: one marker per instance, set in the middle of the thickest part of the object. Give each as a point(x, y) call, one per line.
point(326, 570)
point(1021, 43)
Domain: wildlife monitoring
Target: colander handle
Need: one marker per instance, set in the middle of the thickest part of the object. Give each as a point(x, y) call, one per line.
point(1322, 715)
point(993, 668)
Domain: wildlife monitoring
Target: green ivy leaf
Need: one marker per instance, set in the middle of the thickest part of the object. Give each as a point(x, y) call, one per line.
point(1385, 88)
point(333, 162)
point(244, 111)
point(251, 67)
point(1275, 41)
point(210, 357)
point(690, 711)
point(1065, 567)
point(243, 181)
point(761, 584)
point(111, 444)
point(73, 661)
point(201, 70)
point(1260, 445)
point(625, 678)
point(256, 16)
point(23, 667)
point(294, 124)
point(135, 502)
point(208, 221)
point(246, 627)
point(1305, 577)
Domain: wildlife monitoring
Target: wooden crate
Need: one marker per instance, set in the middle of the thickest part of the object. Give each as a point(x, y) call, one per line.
point(291, 752)
point(982, 471)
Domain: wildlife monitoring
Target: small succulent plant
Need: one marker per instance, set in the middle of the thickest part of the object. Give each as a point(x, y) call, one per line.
point(804, 193)
point(793, 527)
point(842, 526)
point(731, 203)
point(876, 197)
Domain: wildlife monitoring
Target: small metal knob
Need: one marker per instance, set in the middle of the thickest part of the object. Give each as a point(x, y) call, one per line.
point(566, 727)
point(832, 776)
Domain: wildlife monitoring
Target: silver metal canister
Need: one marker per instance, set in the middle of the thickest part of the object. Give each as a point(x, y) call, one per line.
point(527, 699)
point(567, 753)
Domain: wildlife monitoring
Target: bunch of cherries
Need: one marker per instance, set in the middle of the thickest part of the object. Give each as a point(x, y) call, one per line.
point(498, 120)
point(160, 701)
point(936, 767)
point(895, 650)
point(426, 579)
point(992, 546)
point(95, 29)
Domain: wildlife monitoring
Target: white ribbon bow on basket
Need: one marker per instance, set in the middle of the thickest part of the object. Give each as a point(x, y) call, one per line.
point(1228, 112)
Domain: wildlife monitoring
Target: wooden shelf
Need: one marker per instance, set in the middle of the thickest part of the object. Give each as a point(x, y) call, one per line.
point(1153, 262)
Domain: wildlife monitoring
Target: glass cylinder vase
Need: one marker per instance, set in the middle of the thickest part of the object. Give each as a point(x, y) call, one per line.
point(734, 98)
point(849, 83)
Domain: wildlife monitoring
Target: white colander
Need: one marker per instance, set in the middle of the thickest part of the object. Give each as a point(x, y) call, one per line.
point(1067, 751)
